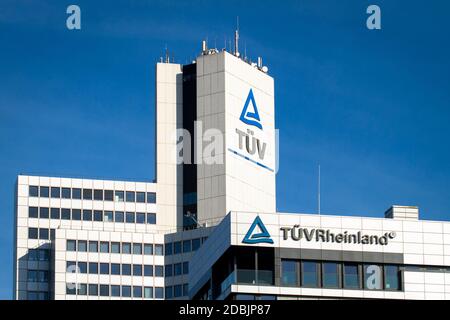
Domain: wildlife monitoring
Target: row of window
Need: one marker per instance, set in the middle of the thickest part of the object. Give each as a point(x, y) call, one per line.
point(91, 194)
point(37, 276)
point(38, 255)
point(41, 233)
point(91, 215)
point(347, 275)
point(106, 290)
point(37, 295)
point(176, 247)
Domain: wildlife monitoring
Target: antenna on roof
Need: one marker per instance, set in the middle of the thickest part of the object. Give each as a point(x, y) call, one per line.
point(167, 55)
point(236, 38)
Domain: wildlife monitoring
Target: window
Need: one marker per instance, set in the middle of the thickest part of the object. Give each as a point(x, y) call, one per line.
point(159, 293)
point(137, 292)
point(159, 272)
point(32, 233)
point(118, 216)
point(65, 214)
point(169, 249)
point(98, 195)
point(43, 234)
point(169, 293)
point(185, 267)
point(137, 248)
point(177, 247)
point(87, 215)
point(104, 247)
point(33, 191)
point(158, 249)
point(177, 291)
point(82, 289)
point(391, 277)
point(130, 217)
point(93, 289)
point(372, 277)
point(55, 192)
point(126, 291)
point(108, 195)
point(76, 214)
point(119, 196)
point(32, 276)
point(148, 249)
point(330, 275)
point(177, 269)
point(87, 194)
point(55, 213)
point(104, 290)
point(351, 276)
point(130, 196)
point(108, 216)
point(151, 197)
point(93, 246)
point(32, 255)
point(65, 193)
point(310, 274)
point(82, 245)
point(115, 291)
point(71, 290)
point(115, 247)
point(137, 270)
point(33, 212)
point(187, 246)
point(115, 268)
point(44, 255)
point(126, 269)
point(148, 271)
point(168, 271)
point(289, 273)
point(151, 218)
point(43, 192)
point(104, 268)
point(76, 193)
point(71, 266)
point(98, 215)
point(140, 217)
point(37, 295)
point(126, 247)
point(82, 266)
point(140, 197)
point(44, 213)
point(185, 289)
point(148, 292)
point(71, 245)
point(93, 267)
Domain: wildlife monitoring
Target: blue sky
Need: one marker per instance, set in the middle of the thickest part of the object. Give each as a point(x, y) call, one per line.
point(372, 107)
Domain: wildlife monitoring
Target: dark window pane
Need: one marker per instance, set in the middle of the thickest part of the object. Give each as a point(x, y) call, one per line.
point(137, 292)
point(43, 234)
point(33, 191)
point(87, 215)
point(56, 192)
point(104, 290)
point(310, 274)
point(140, 197)
point(177, 269)
point(148, 249)
point(118, 216)
point(195, 244)
point(33, 212)
point(169, 249)
point(44, 255)
point(137, 270)
point(159, 293)
point(93, 267)
point(82, 289)
point(159, 271)
point(44, 212)
point(126, 291)
point(151, 218)
point(168, 271)
point(140, 217)
point(44, 192)
point(82, 266)
point(32, 254)
point(148, 271)
point(351, 276)
point(71, 245)
point(71, 290)
point(82, 245)
point(373, 277)
point(55, 213)
point(177, 291)
point(104, 247)
point(87, 194)
point(151, 197)
point(185, 267)
point(130, 217)
point(109, 195)
point(187, 246)
point(392, 277)
point(76, 193)
point(98, 215)
point(65, 193)
point(98, 195)
point(115, 247)
point(177, 247)
point(126, 269)
point(159, 249)
point(115, 268)
point(130, 196)
point(169, 293)
point(108, 216)
point(119, 196)
point(93, 246)
point(137, 248)
point(115, 291)
point(65, 214)
point(104, 268)
point(93, 289)
point(126, 248)
point(330, 275)
point(76, 214)
point(32, 233)
point(289, 273)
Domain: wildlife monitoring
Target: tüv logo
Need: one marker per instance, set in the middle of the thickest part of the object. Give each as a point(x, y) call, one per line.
point(248, 117)
point(261, 237)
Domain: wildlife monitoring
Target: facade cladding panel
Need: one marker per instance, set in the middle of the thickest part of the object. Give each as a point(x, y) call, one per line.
point(209, 229)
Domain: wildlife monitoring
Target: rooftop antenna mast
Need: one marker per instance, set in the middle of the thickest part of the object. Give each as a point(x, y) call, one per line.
point(236, 38)
point(167, 55)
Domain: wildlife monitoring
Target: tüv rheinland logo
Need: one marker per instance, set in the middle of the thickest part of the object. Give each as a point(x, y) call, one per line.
point(262, 237)
point(249, 117)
